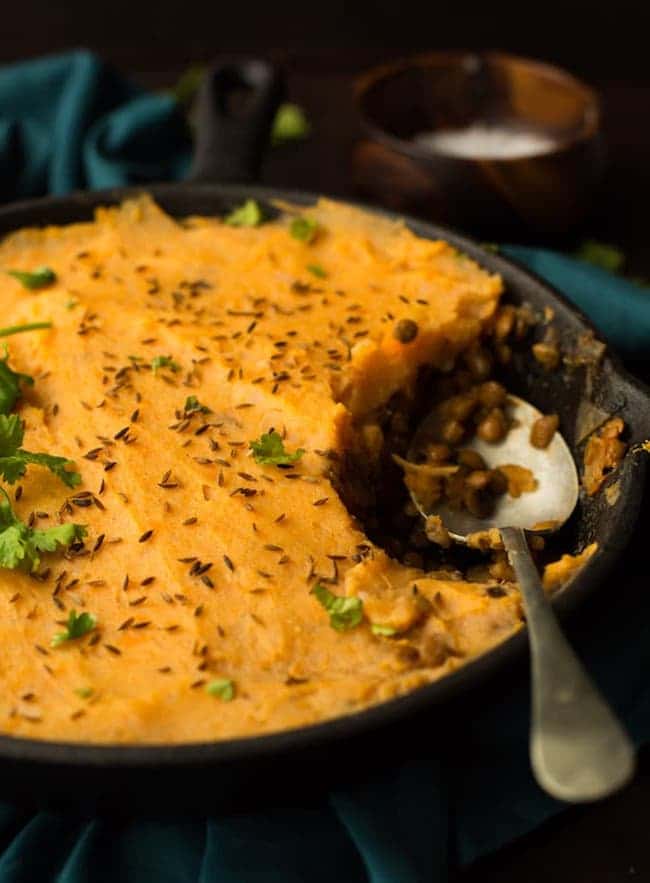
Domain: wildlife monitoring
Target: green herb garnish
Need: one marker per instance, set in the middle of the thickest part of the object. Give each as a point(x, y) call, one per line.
point(187, 85)
point(14, 459)
point(18, 329)
point(303, 229)
point(221, 687)
point(290, 124)
point(20, 545)
point(317, 270)
point(10, 383)
point(247, 215)
point(385, 631)
point(193, 405)
point(84, 692)
point(41, 277)
point(607, 257)
point(159, 362)
point(269, 450)
point(345, 612)
point(77, 626)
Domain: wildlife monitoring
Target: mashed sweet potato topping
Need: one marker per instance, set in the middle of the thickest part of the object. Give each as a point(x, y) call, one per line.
point(217, 584)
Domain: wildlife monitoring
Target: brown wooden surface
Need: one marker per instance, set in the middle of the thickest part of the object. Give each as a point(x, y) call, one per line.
point(607, 843)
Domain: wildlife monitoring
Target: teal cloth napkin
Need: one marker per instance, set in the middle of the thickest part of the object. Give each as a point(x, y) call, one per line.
point(68, 122)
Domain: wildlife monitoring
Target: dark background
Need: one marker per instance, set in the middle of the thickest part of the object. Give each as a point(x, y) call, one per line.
point(599, 41)
point(322, 46)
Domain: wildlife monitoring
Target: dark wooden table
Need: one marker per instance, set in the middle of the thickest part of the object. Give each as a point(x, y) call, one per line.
point(607, 843)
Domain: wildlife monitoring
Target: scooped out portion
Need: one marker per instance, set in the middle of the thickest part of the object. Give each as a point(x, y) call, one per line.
point(226, 392)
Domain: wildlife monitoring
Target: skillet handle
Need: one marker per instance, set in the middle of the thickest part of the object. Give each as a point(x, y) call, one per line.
point(236, 106)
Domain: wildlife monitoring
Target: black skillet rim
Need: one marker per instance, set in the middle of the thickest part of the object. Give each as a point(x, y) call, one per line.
point(76, 755)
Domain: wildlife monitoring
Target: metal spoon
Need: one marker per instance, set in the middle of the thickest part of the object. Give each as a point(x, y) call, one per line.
point(578, 749)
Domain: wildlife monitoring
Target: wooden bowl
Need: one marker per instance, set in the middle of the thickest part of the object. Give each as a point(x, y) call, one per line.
point(549, 191)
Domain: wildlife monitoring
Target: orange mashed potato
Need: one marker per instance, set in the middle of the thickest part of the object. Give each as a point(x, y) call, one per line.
point(199, 563)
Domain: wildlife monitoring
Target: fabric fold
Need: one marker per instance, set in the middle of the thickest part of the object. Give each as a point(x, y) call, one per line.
point(399, 822)
point(71, 122)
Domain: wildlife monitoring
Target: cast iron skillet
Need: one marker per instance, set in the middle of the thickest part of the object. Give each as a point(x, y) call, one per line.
point(206, 775)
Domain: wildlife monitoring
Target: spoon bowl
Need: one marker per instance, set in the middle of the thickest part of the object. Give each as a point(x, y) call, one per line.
point(578, 749)
point(542, 510)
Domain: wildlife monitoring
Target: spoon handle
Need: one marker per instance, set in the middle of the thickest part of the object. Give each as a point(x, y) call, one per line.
point(578, 749)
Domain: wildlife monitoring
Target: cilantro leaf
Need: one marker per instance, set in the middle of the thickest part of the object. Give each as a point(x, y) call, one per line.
point(224, 688)
point(78, 625)
point(18, 329)
point(185, 88)
point(12, 468)
point(385, 631)
point(159, 362)
point(269, 450)
point(10, 382)
point(12, 433)
point(56, 465)
point(52, 538)
point(21, 545)
point(304, 229)
point(14, 549)
point(345, 612)
point(607, 257)
point(249, 214)
point(193, 405)
point(41, 277)
point(317, 270)
point(14, 459)
point(290, 124)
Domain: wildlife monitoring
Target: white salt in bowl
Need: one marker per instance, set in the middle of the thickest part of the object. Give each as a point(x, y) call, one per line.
point(488, 140)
